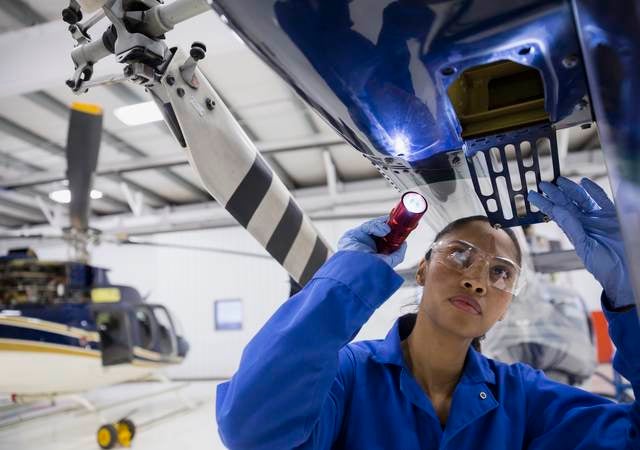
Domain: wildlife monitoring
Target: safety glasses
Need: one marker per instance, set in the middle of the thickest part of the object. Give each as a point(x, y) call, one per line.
point(464, 257)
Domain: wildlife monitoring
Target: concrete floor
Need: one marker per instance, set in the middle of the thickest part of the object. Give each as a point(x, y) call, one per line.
point(181, 419)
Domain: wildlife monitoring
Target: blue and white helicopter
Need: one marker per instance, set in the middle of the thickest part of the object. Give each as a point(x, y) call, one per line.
point(64, 327)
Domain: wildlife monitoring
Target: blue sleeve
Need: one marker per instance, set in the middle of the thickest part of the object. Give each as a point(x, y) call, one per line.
point(290, 388)
point(561, 416)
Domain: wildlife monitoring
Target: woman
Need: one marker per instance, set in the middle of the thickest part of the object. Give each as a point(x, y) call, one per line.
point(302, 385)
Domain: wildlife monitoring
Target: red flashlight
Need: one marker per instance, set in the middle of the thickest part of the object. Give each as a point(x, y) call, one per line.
point(403, 219)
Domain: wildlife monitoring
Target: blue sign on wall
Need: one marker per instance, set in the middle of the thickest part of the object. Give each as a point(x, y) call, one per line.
point(227, 314)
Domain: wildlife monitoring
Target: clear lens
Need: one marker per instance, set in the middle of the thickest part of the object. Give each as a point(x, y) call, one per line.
point(502, 273)
point(458, 255)
point(414, 202)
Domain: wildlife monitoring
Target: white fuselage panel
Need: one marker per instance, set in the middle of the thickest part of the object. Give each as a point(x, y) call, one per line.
point(42, 373)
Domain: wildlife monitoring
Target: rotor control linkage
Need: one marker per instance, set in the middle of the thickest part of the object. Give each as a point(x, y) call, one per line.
point(188, 69)
point(136, 38)
point(72, 13)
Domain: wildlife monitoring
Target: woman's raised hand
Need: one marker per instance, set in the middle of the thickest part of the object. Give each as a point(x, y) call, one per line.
point(361, 239)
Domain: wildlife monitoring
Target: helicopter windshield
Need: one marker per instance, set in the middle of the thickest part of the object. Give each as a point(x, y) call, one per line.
point(167, 337)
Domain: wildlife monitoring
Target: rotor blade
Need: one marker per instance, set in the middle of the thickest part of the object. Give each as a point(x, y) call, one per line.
point(11, 237)
point(233, 171)
point(195, 248)
point(558, 261)
point(83, 145)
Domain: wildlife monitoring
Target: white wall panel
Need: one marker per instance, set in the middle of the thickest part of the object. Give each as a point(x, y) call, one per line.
point(188, 282)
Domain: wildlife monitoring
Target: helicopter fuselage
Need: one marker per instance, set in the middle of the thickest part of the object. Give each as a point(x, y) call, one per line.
point(59, 336)
point(58, 351)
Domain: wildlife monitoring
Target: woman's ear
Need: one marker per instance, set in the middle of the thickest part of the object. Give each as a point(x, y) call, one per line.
point(421, 274)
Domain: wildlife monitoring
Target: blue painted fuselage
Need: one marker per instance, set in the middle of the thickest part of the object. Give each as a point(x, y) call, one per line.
point(378, 70)
point(69, 325)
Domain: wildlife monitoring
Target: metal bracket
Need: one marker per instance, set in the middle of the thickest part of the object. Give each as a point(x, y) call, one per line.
point(188, 69)
point(135, 36)
point(332, 175)
point(134, 199)
point(505, 166)
point(52, 214)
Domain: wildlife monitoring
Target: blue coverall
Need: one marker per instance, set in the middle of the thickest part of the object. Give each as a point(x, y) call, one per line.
point(301, 384)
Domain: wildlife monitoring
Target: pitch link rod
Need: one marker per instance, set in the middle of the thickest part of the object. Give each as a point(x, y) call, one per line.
point(162, 18)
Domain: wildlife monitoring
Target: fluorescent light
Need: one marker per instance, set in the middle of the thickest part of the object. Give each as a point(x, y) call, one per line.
point(61, 196)
point(138, 114)
point(64, 195)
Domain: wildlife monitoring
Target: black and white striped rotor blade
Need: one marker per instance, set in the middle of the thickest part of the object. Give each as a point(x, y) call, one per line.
point(235, 174)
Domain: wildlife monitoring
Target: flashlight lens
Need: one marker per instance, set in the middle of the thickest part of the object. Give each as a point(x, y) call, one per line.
point(414, 202)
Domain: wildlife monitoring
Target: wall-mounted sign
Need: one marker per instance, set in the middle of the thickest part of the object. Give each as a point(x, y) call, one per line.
point(227, 314)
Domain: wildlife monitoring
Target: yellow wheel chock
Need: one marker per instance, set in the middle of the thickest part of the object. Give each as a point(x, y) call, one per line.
point(107, 436)
point(126, 431)
point(122, 432)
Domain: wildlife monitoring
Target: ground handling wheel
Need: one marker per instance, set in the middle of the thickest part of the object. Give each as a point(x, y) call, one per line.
point(126, 431)
point(107, 436)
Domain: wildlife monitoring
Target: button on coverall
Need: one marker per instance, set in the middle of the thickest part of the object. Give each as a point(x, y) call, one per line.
point(301, 384)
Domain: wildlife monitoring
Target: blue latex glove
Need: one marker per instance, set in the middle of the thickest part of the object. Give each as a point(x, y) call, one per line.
point(588, 217)
point(360, 239)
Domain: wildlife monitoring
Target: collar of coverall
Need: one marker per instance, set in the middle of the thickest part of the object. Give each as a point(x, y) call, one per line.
point(388, 351)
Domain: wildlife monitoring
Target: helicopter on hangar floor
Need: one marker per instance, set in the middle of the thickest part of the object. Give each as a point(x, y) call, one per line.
point(64, 327)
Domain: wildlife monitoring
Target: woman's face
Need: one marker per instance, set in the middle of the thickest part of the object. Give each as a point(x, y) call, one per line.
point(465, 303)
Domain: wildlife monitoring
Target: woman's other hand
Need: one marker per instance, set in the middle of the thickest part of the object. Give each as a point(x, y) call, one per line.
point(588, 217)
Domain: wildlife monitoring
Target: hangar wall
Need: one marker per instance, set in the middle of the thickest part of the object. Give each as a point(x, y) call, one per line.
point(188, 282)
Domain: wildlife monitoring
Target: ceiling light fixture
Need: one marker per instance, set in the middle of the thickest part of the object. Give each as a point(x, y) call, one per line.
point(138, 114)
point(61, 196)
point(64, 195)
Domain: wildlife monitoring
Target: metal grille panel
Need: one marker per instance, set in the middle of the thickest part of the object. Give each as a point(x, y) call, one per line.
point(505, 166)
